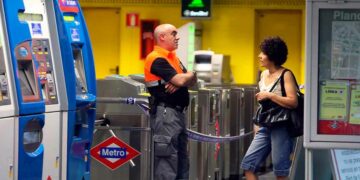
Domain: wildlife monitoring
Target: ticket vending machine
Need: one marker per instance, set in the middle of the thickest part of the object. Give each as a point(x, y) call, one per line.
point(45, 50)
point(28, 131)
point(7, 109)
point(79, 71)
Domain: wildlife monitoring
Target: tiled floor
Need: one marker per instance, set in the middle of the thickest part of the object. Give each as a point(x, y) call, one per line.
point(267, 176)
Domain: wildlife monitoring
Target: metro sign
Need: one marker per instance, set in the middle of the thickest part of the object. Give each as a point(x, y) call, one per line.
point(113, 153)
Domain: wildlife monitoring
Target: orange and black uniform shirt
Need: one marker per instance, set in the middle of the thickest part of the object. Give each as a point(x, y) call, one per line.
point(161, 66)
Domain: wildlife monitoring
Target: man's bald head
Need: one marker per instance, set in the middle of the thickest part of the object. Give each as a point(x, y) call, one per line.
point(162, 29)
point(166, 36)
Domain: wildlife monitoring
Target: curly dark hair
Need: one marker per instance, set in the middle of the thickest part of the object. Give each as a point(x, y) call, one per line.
point(275, 49)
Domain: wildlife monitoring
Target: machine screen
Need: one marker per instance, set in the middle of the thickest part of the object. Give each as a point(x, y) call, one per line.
point(203, 59)
point(79, 72)
point(30, 17)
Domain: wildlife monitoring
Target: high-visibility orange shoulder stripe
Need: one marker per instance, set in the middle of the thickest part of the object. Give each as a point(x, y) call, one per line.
point(159, 52)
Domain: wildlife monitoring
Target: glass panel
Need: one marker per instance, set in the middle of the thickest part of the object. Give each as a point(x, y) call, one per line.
point(32, 136)
point(339, 72)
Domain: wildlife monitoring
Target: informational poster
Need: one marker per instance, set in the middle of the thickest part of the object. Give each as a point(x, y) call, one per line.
point(333, 100)
point(355, 105)
point(346, 164)
point(345, 55)
point(339, 44)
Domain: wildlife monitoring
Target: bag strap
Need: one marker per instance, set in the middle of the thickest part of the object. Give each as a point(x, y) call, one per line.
point(283, 92)
point(274, 85)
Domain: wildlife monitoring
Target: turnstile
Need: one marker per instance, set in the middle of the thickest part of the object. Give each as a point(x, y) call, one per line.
point(222, 128)
point(118, 86)
point(134, 131)
point(193, 146)
point(237, 108)
point(208, 109)
point(242, 108)
point(129, 123)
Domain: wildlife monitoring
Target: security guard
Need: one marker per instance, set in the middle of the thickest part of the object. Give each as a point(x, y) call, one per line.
point(167, 81)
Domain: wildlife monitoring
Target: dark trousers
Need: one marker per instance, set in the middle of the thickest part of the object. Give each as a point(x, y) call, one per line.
point(171, 160)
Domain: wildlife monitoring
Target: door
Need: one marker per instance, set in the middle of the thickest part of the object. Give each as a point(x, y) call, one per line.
point(104, 28)
point(288, 25)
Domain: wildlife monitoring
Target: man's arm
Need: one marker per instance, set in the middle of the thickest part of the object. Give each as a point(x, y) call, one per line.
point(184, 79)
point(163, 69)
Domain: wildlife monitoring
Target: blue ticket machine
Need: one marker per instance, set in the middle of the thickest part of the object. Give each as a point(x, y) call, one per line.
point(80, 81)
point(52, 86)
point(7, 109)
point(28, 131)
point(33, 14)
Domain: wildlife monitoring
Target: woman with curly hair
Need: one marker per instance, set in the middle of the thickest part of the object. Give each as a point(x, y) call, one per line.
point(274, 139)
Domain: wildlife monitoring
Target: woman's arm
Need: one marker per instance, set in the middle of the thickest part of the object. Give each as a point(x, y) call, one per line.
point(290, 101)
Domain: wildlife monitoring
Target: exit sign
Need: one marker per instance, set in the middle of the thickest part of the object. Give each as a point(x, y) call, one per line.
point(195, 8)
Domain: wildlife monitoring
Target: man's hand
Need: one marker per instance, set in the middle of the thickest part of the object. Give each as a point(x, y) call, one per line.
point(194, 80)
point(170, 88)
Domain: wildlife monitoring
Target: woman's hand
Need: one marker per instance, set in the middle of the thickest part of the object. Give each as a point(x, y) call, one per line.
point(264, 95)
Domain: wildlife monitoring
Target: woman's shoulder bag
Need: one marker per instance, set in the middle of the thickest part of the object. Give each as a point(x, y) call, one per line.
point(296, 120)
point(270, 114)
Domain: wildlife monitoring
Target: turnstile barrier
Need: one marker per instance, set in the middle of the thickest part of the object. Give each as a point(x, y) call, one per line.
point(128, 123)
point(192, 123)
point(136, 134)
point(242, 108)
point(208, 113)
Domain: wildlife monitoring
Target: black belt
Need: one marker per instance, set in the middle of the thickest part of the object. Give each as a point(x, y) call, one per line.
point(176, 107)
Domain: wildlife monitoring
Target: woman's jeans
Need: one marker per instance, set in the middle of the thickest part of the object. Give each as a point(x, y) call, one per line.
point(275, 140)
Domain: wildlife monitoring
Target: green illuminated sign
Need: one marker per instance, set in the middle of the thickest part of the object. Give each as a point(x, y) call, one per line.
point(196, 8)
point(191, 48)
point(197, 4)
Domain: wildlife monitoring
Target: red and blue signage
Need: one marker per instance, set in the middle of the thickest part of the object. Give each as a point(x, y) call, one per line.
point(113, 153)
point(68, 6)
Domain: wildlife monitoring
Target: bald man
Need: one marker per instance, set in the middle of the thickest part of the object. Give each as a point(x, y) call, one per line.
point(167, 80)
